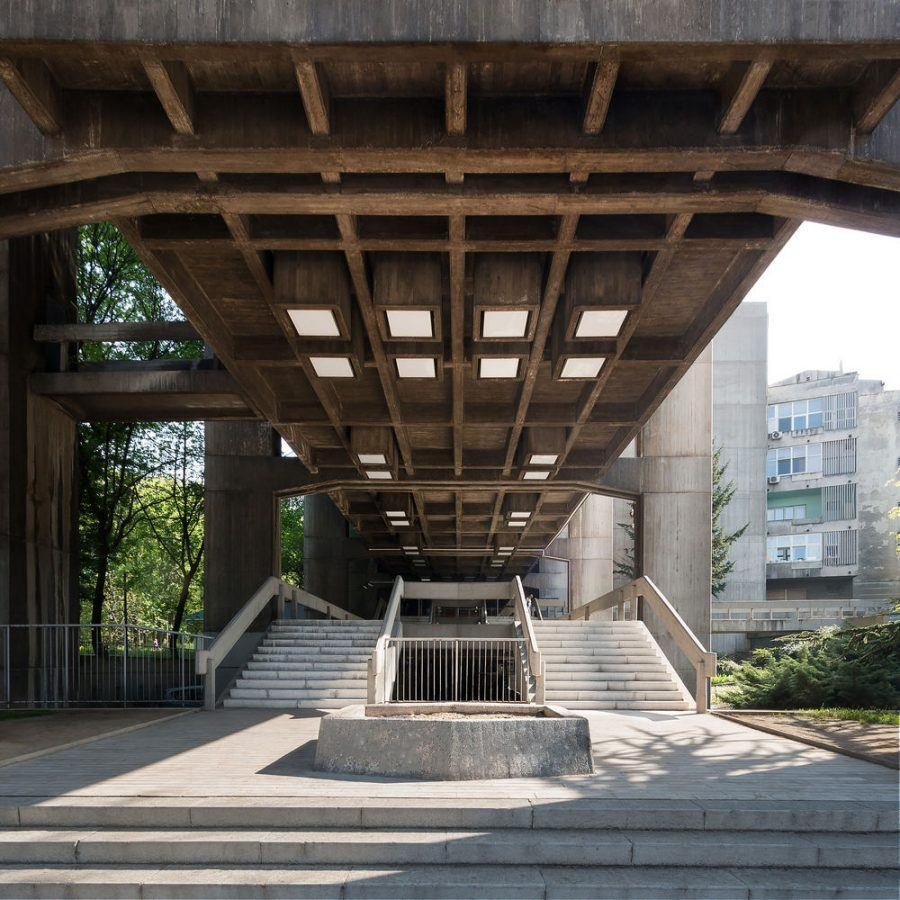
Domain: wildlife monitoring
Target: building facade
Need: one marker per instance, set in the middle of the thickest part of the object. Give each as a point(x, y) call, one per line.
point(831, 466)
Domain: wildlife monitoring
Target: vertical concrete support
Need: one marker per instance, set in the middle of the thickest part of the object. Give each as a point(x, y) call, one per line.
point(591, 542)
point(676, 504)
point(38, 465)
point(241, 527)
point(336, 565)
point(739, 428)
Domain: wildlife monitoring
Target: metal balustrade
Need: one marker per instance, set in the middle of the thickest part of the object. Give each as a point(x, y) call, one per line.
point(457, 670)
point(50, 666)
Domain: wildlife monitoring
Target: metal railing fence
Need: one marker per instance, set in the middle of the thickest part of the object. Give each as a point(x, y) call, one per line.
point(49, 666)
point(456, 670)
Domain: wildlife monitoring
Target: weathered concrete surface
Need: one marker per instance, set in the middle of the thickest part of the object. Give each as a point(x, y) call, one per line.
point(38, 480)
point(241, 529)
point(453, 749)
point(676, 509)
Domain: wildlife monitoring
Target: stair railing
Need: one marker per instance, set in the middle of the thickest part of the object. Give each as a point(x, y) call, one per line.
point(385, 656)
point(524, 624)
point(643, 591)
point(272, 589)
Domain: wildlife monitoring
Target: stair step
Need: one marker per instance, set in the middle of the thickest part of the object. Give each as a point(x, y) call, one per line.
point(466, 883)
point(568, 847)
point(240, 692)
point(604, 683)
point(629, 704)
point(277, 664)
point(602, 693)
point(357, 685)
point(321, 703)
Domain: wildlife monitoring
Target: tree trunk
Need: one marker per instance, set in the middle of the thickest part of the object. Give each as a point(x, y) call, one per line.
point(97, 604)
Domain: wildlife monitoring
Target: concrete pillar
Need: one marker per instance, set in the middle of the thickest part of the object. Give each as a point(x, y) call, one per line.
point(38, 446)
point(676, 504)
point(241, 526)
point(591, 539)
point(336, 564)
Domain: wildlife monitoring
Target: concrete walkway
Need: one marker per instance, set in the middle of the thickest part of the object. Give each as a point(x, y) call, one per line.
point(247, 753)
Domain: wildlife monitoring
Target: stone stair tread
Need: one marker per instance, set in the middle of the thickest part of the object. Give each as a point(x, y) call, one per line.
point(450, 881)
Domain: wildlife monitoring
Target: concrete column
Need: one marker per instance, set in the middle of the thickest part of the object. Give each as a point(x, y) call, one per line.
point(676, 504)
point(241, 526)
point(591, 539)
point(38, 446)
point(336, 565)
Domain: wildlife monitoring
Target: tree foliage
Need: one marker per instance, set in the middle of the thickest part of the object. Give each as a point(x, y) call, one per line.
point(846, 667)
point(292, 540)
point(141, 492)
point(722, 492)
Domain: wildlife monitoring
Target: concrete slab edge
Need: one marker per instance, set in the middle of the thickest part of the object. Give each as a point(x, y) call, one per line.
point(811, 742)
point(36, 754)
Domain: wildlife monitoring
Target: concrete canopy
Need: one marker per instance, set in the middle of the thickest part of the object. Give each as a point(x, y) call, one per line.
point(456, 252)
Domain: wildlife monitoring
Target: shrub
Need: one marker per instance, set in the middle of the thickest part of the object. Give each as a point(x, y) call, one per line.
point(851, 667)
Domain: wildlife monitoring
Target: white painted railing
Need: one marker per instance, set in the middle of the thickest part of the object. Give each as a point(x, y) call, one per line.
point(524, 624)
point(632, 597)
point(383, 664)
point(272, 589)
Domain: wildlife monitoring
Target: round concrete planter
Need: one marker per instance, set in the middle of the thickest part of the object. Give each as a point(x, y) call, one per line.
point(538, 741)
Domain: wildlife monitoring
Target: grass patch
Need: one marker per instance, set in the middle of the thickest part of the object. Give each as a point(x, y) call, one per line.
point(25, 713)
point(867, 716)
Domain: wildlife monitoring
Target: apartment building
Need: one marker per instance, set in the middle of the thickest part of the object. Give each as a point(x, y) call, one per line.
point(832, 458)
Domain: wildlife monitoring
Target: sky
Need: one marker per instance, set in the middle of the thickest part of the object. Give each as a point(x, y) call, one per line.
point(834, 299)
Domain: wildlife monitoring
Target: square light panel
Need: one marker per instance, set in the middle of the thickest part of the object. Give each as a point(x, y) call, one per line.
point(416, 367)
point(378, 475)
point(395, 514)
point(498, 367)
point(373, 459)
point(409, 323)
point(314, 322)
point(400, 523)
point(518, 515)
point(502, 323)
point(332, 366)
point(596, 323)
point(514, 524)
point(587, 367)
point(537, 475)
point(543, 459)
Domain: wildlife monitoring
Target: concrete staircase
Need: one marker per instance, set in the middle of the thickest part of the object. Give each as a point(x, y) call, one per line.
point(177, 847)
point(307, 664)
point(607, 665)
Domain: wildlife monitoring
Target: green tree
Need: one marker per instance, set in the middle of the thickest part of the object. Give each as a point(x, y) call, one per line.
point(291, 509)
point(722, 492)
point(116, 457)
point(627, 566)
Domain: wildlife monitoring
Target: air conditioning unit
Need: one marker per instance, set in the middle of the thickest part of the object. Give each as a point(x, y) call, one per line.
point(774, 435)
point(773, 479)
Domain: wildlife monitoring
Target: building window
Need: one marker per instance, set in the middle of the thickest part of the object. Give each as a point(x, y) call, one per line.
point(796, 415)
point(794, 548)
point(781, 513)
point(806, 458)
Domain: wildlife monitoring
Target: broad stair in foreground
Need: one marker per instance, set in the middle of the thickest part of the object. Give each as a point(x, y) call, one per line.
point(307, 664)
point(461, 848)
point(607, 665)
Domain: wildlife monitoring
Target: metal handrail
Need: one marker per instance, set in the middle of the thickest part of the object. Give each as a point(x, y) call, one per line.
point(457, 670)
point(524, 623)
point(643, 589)
point(381, 660)
point(271, 589)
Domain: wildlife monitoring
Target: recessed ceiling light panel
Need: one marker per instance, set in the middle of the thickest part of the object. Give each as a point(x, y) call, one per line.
point(332, 366)
point(519, 515)
point(378, 475)
point(597, 323)
point(409, 323)
point(582, 367)
point(504, 323)
point(416, 367)
point(537, 475)
point(373, 459)
point(543, 459)
point(311, 322)
point(498, 367)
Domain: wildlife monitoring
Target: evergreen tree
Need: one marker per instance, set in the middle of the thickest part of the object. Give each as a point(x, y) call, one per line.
point(291, 509)
point(722, 493)
point(627, 566)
